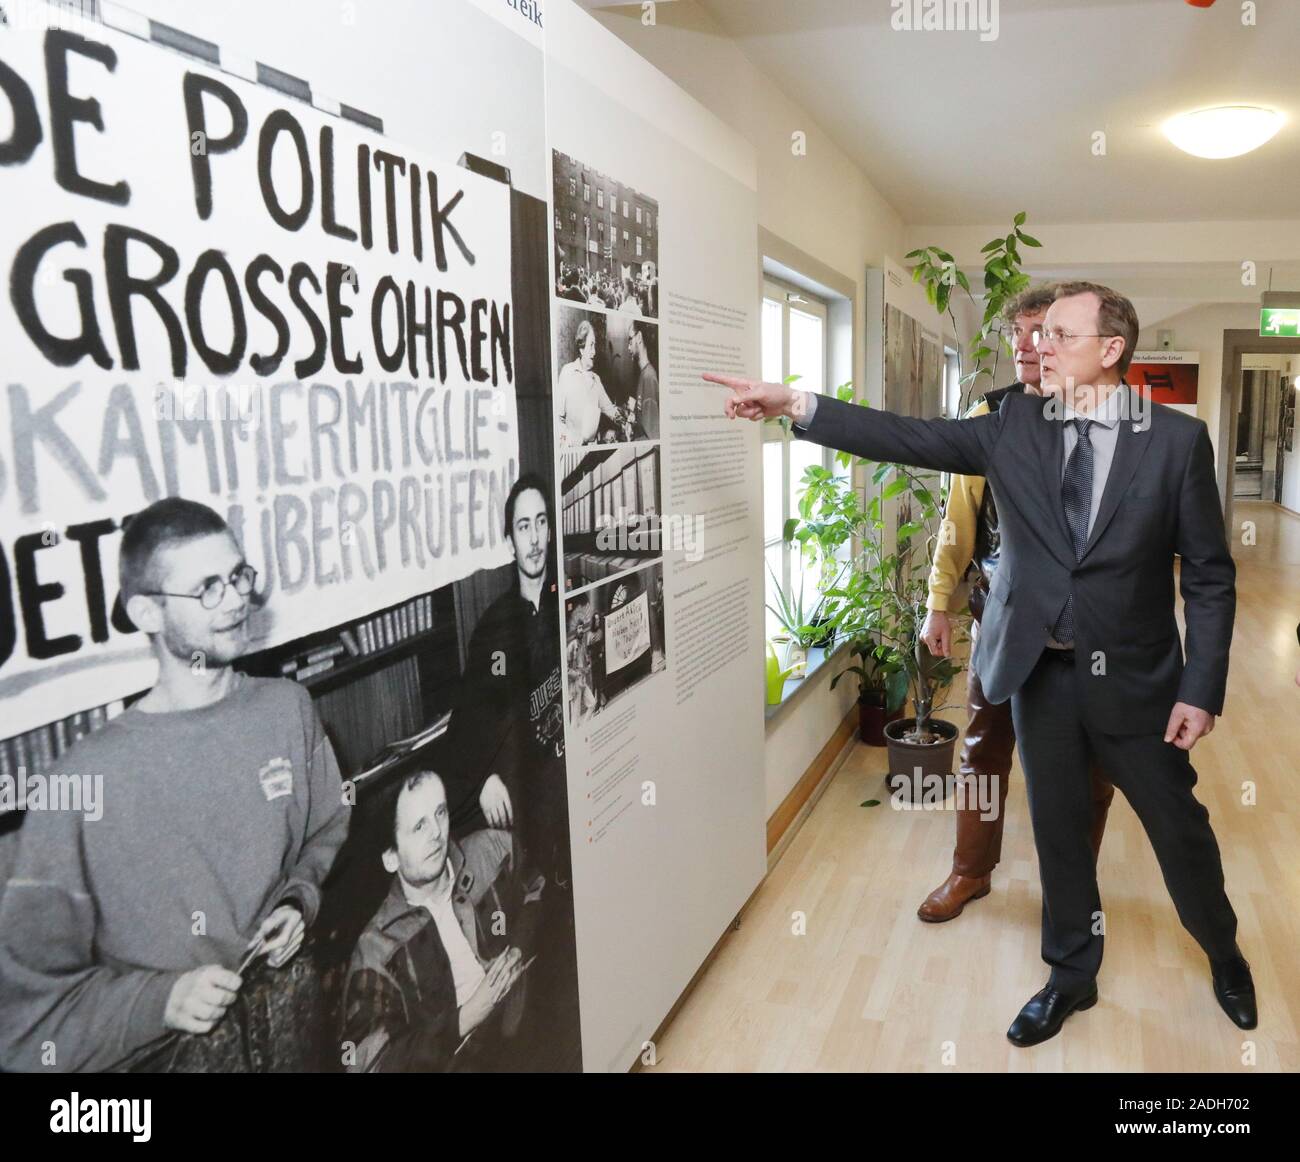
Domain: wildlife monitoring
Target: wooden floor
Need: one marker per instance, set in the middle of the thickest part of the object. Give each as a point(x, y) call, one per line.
point(870, 987)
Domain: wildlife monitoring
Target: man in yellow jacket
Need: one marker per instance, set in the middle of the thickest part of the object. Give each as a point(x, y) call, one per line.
point(971, 539)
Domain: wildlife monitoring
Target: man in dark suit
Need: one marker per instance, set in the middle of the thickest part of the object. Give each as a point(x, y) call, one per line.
point(1097, 490)
point(972, 544)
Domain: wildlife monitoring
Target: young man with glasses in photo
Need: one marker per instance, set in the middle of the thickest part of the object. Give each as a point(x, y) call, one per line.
point(163, 936)
point(971, 520)
point(1098, 491)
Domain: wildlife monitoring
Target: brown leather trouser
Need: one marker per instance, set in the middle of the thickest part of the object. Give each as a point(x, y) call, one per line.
point(985, 770)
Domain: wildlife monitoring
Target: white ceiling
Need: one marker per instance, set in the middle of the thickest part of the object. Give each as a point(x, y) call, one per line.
point(952, 129)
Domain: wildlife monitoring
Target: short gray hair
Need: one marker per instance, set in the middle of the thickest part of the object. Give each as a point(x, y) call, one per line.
point(1033, 301)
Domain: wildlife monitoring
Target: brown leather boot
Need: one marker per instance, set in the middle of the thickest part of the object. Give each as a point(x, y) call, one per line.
point(985, 764)
point(948, 900)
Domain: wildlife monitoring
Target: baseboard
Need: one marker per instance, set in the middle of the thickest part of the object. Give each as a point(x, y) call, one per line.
point(796, 805)
point(781, 829)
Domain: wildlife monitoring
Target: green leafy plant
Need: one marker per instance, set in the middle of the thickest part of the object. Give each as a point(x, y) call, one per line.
point(878, 598)
point(804, 620)
point(936, 270)
point(881, 678)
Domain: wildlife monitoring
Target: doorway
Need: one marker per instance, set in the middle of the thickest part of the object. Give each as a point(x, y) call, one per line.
point(1243, 350)
point(1256, 428)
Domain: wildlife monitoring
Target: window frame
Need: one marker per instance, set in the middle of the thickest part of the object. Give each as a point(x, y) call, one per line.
point(790, 298)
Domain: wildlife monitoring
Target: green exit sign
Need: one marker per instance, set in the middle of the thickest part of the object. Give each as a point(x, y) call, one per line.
point(1279, 320)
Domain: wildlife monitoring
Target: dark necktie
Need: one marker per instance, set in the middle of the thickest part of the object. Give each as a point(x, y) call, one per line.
point(1076, 494)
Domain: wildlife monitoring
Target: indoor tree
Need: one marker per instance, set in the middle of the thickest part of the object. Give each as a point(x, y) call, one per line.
point(979, 355)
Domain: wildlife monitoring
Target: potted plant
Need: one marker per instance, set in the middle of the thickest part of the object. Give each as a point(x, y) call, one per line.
point(804, 621)
point(936, 270)
point(879, 601)
point(882, 689)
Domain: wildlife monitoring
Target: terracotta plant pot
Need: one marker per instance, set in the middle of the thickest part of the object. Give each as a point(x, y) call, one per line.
point(872, 720)
point(912, 765)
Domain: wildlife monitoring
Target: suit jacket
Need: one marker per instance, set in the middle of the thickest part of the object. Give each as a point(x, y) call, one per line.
point(1160, 500)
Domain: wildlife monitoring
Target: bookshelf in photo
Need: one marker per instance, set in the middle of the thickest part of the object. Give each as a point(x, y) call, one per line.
point(371, 685)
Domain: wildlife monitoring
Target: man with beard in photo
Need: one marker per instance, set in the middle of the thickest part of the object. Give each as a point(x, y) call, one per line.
point(508, 727)
point(161, 935)
point(507, 771)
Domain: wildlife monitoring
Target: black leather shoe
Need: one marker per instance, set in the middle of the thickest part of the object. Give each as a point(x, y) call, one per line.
point(1045, 1013)
point(1234, 989)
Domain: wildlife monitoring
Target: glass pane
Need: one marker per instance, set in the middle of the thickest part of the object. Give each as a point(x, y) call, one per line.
point(773, 513)
point(802, 454)
point(773, 556)
point(810, 586)
point(771, 341)
point(807, 350)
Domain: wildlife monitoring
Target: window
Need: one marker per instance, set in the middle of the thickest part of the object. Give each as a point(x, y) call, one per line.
point(586, 192)
point(638, 215)
point(638, 245)
point(624, 207)
point(600, 199)
point(952, 387)
point(573, 219)
point(794, 342)
point(600, 227)
point(649, 223)
point(573, 187)
point(558, 224)
point(624, 237)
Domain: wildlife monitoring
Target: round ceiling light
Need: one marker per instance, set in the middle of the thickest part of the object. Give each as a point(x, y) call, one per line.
point(1224, 131)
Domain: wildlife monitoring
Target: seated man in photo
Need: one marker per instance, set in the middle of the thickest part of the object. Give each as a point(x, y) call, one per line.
point(507, 730)
point(433, 981)
point(161, 935)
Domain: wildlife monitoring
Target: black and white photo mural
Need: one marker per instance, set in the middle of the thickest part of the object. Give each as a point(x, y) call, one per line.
point(282, 751)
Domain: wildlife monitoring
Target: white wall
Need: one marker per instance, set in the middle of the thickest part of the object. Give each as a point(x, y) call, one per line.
point(1129, 243)
point(819, 202)
point(1201, 329)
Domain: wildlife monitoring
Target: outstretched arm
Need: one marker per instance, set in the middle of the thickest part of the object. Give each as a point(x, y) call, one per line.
point(963, 446)
point(607, 405)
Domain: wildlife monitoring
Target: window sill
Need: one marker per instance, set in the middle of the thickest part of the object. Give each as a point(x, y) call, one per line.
point(818, 659)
